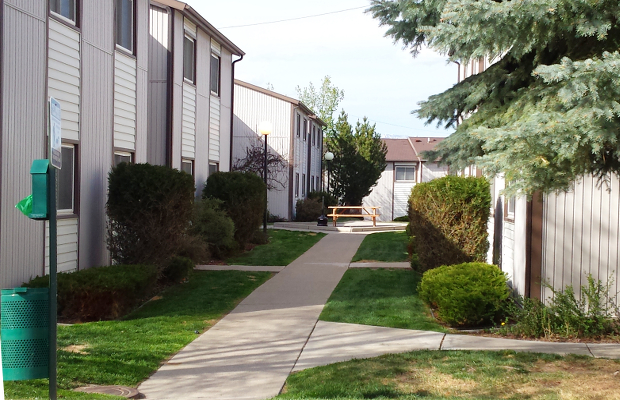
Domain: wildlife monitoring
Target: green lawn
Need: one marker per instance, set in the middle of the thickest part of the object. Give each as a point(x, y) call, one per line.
point(283, 248)
point(383, 246)
point(380, 297)
point(127, 352)
point(436, 375)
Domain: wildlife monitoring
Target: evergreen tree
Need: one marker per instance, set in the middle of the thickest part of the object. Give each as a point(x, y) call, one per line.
point(359, 160)
point(323, 101)
point(546, 112)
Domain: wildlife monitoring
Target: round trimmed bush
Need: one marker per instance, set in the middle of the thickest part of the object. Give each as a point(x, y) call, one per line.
point(243, 198)
point(468, 294)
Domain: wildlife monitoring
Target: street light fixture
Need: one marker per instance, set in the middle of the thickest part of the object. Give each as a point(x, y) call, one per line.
point(264, 128)
point(329, 156)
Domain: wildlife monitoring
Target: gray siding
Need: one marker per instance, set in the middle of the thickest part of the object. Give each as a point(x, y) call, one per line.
point(159, 45)
point(225, 110)
point(203, 92)
point(142, 80)
point(581, 235)
point(177, 88)
point(23, 135)
point(382, 195)
point(96, 141)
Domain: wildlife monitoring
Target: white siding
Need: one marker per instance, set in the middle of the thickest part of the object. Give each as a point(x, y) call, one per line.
point(432, 171)
point(124, 102)
point(214, 129)
point(402, 191)
point(67, 230)
point(252, 107)
point(190, 27)
point(382, 195)
point(64, 75)
point(581, 235)
point(188, 140)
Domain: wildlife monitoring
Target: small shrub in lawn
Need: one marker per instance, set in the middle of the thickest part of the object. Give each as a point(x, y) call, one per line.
point(176, 269)
point(308, 210)
point(448, 218)
point(101, 293)
point(595, 315)
point(243, 198)
point(403, 218)
point(149, 209)
point(468, 294)
point(330, 200)
point(214, 227)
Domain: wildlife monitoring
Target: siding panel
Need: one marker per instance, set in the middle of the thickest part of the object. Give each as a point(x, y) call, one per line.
point(64, 75)
point(23, 136)
point(125, 78)
point(188, 145)
point(157, 104)
point(67, 254)
point(214, 129)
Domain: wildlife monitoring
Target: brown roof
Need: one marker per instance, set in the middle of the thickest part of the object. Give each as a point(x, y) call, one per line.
point(421, 144)
point(410, 149)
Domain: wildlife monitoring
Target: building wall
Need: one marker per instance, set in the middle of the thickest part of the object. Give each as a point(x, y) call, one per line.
point(23, 94)
point(226, 78)
point(382, 195)
point(432, 171)
point(251, 108)
point(159, 43)
point(581, 235)
point(203, 94)
point(96, 141)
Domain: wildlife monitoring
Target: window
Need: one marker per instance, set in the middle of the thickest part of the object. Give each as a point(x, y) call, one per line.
point(405, 173)
point(124, 24)
point(312, 183)
point(296, 184)
point(317, 183)
point(509, 208)
point(213, 167)
point(215, 74)
point(298, 125)
point(122, 157)
point(314, 135)
point(305, 129)
point(303, 185)
point(187, 166)
point(66, 181)
point(189, 72)
point(64, 8)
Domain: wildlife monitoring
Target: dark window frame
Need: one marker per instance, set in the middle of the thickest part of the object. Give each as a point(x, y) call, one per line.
point(61, 177)
point(298, 125)
point(189, 66)
point(215, 80)
point(296, 184)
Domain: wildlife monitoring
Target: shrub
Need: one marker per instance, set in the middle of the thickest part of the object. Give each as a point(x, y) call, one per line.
point(448, 218)
point(176, 269)
point(330, 199)
point(404, 218)
point(101, 293)
point(467, 294)
point(307, 210)
point(243, 199)
point(194, 248)
point(149, 209)
point(214, 227)
point(594, 315)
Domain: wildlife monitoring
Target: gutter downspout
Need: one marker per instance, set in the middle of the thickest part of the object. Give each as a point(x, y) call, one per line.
point(232, 110)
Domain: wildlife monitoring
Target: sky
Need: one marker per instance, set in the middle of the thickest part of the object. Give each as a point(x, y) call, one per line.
point(380, 79)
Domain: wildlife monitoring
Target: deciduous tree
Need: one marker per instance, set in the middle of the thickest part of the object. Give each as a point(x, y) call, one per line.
point(323, 101)
point(546, 112)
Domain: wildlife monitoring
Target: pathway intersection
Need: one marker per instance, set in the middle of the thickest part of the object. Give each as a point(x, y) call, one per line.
point(275, 331)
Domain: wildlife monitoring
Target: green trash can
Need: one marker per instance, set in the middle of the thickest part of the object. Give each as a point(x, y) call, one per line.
point(25, 333)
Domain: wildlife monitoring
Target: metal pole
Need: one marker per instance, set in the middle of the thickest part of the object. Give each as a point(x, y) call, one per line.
point(265, 166)
point(53, 282)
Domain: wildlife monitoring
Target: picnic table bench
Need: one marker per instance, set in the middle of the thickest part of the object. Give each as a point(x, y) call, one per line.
point(363, 211)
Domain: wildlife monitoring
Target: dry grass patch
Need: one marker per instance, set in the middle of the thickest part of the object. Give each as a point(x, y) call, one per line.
point(461, 375)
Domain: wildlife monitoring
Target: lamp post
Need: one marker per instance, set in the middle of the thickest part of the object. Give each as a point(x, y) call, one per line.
point(264, 128)
point(329, 156)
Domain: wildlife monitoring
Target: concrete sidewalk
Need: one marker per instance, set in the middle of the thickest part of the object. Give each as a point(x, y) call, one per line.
point(250, 352)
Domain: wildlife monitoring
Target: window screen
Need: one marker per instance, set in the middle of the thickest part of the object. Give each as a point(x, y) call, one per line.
point(215, 74)
point(405, 173)
point(66, 8)
point(66, 180)
point(188, 59)
point(124, 24)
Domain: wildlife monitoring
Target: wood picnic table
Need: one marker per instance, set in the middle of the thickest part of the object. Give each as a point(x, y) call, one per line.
point(364, 211)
